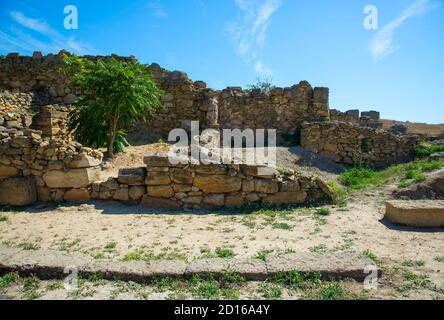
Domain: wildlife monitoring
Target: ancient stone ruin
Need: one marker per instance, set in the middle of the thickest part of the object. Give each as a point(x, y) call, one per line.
point(40, 162)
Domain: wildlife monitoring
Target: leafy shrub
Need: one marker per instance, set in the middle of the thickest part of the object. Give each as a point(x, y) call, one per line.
point(425, 151)
point(264, 85)
point(359, 178)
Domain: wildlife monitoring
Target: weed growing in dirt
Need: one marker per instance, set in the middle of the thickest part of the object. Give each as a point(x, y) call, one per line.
point(270, 291)
point(263, 254)
point(413, 263)
point(3, 218)
point(323, 212)
point(371, 256)
point(8, 279)
point(28, 246)
point(224, 253)
point(281, 226)
point(30, 288)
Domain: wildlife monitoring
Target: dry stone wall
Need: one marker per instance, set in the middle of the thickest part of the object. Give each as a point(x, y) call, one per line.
point(352, 144)
point(36, 168)
point(284, 109)
point(161, 184)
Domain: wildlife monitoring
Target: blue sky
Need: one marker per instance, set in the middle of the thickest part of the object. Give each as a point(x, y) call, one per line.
point(397, 69)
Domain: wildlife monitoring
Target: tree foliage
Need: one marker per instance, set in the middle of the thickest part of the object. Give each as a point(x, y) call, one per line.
point(115, 94)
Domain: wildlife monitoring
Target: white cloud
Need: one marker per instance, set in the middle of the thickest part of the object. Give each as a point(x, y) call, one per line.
point(248, 33)
point(157, 10)
point(263, 70)
point(19, 40)
point(382, 43)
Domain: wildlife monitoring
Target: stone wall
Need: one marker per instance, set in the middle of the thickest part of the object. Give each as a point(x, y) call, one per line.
point(27, 83)
point(50, 167)
point(24, 74)
point(352, 144)
point(284, 109)
point(161, 184)
point(371, 119)
point(33, 168)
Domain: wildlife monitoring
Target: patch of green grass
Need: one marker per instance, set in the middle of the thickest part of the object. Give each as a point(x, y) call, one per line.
point(322, 248)
point(413, 172)
point(425, 151)
point(440, 259)
point(281, 226)
point(8, 279)
point(99, 256)
point(339, 194)
point(56, 285)
point(133, 256)
point(292, 279)
point(206, 254)
point(3, 218)
point(30, 288)
point(205, 289)
point(225, 253)
point(360, 178)
point(334, 291)
point(28, 246)
point(413, 263)
point(270, 291)
point(230, 278)
point(323, 212)
point(262, 254)
point(371, 256)
point(111, 246)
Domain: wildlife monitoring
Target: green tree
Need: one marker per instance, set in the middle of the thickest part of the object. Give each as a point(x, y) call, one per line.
point(115, 94)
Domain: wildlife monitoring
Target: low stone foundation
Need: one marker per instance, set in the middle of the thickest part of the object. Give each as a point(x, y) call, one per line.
point(164, 185)
point(34, 168)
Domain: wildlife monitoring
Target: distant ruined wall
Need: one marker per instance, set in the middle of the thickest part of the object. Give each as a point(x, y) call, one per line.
point(27, 83)
point(351, 144)
point(370, 119)
point(284, 109)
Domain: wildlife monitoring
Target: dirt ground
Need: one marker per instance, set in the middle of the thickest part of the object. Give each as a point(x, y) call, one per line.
point(295, 158)
point(113, 230)
point(412, 259)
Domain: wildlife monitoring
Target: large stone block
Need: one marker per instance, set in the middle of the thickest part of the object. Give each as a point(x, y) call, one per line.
point(8, 171)
point(217, 183)
point(18, 191)
point(266, 186)
point(70, 179)
point(77, 195)
point(136, 192)
point(132, 176)
point(84, 161)
point(286, 198)
point(157, 160)
point(159, 202)
point(181, 176)
point(160, 191)
point(416, 213)
point(157, 178)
